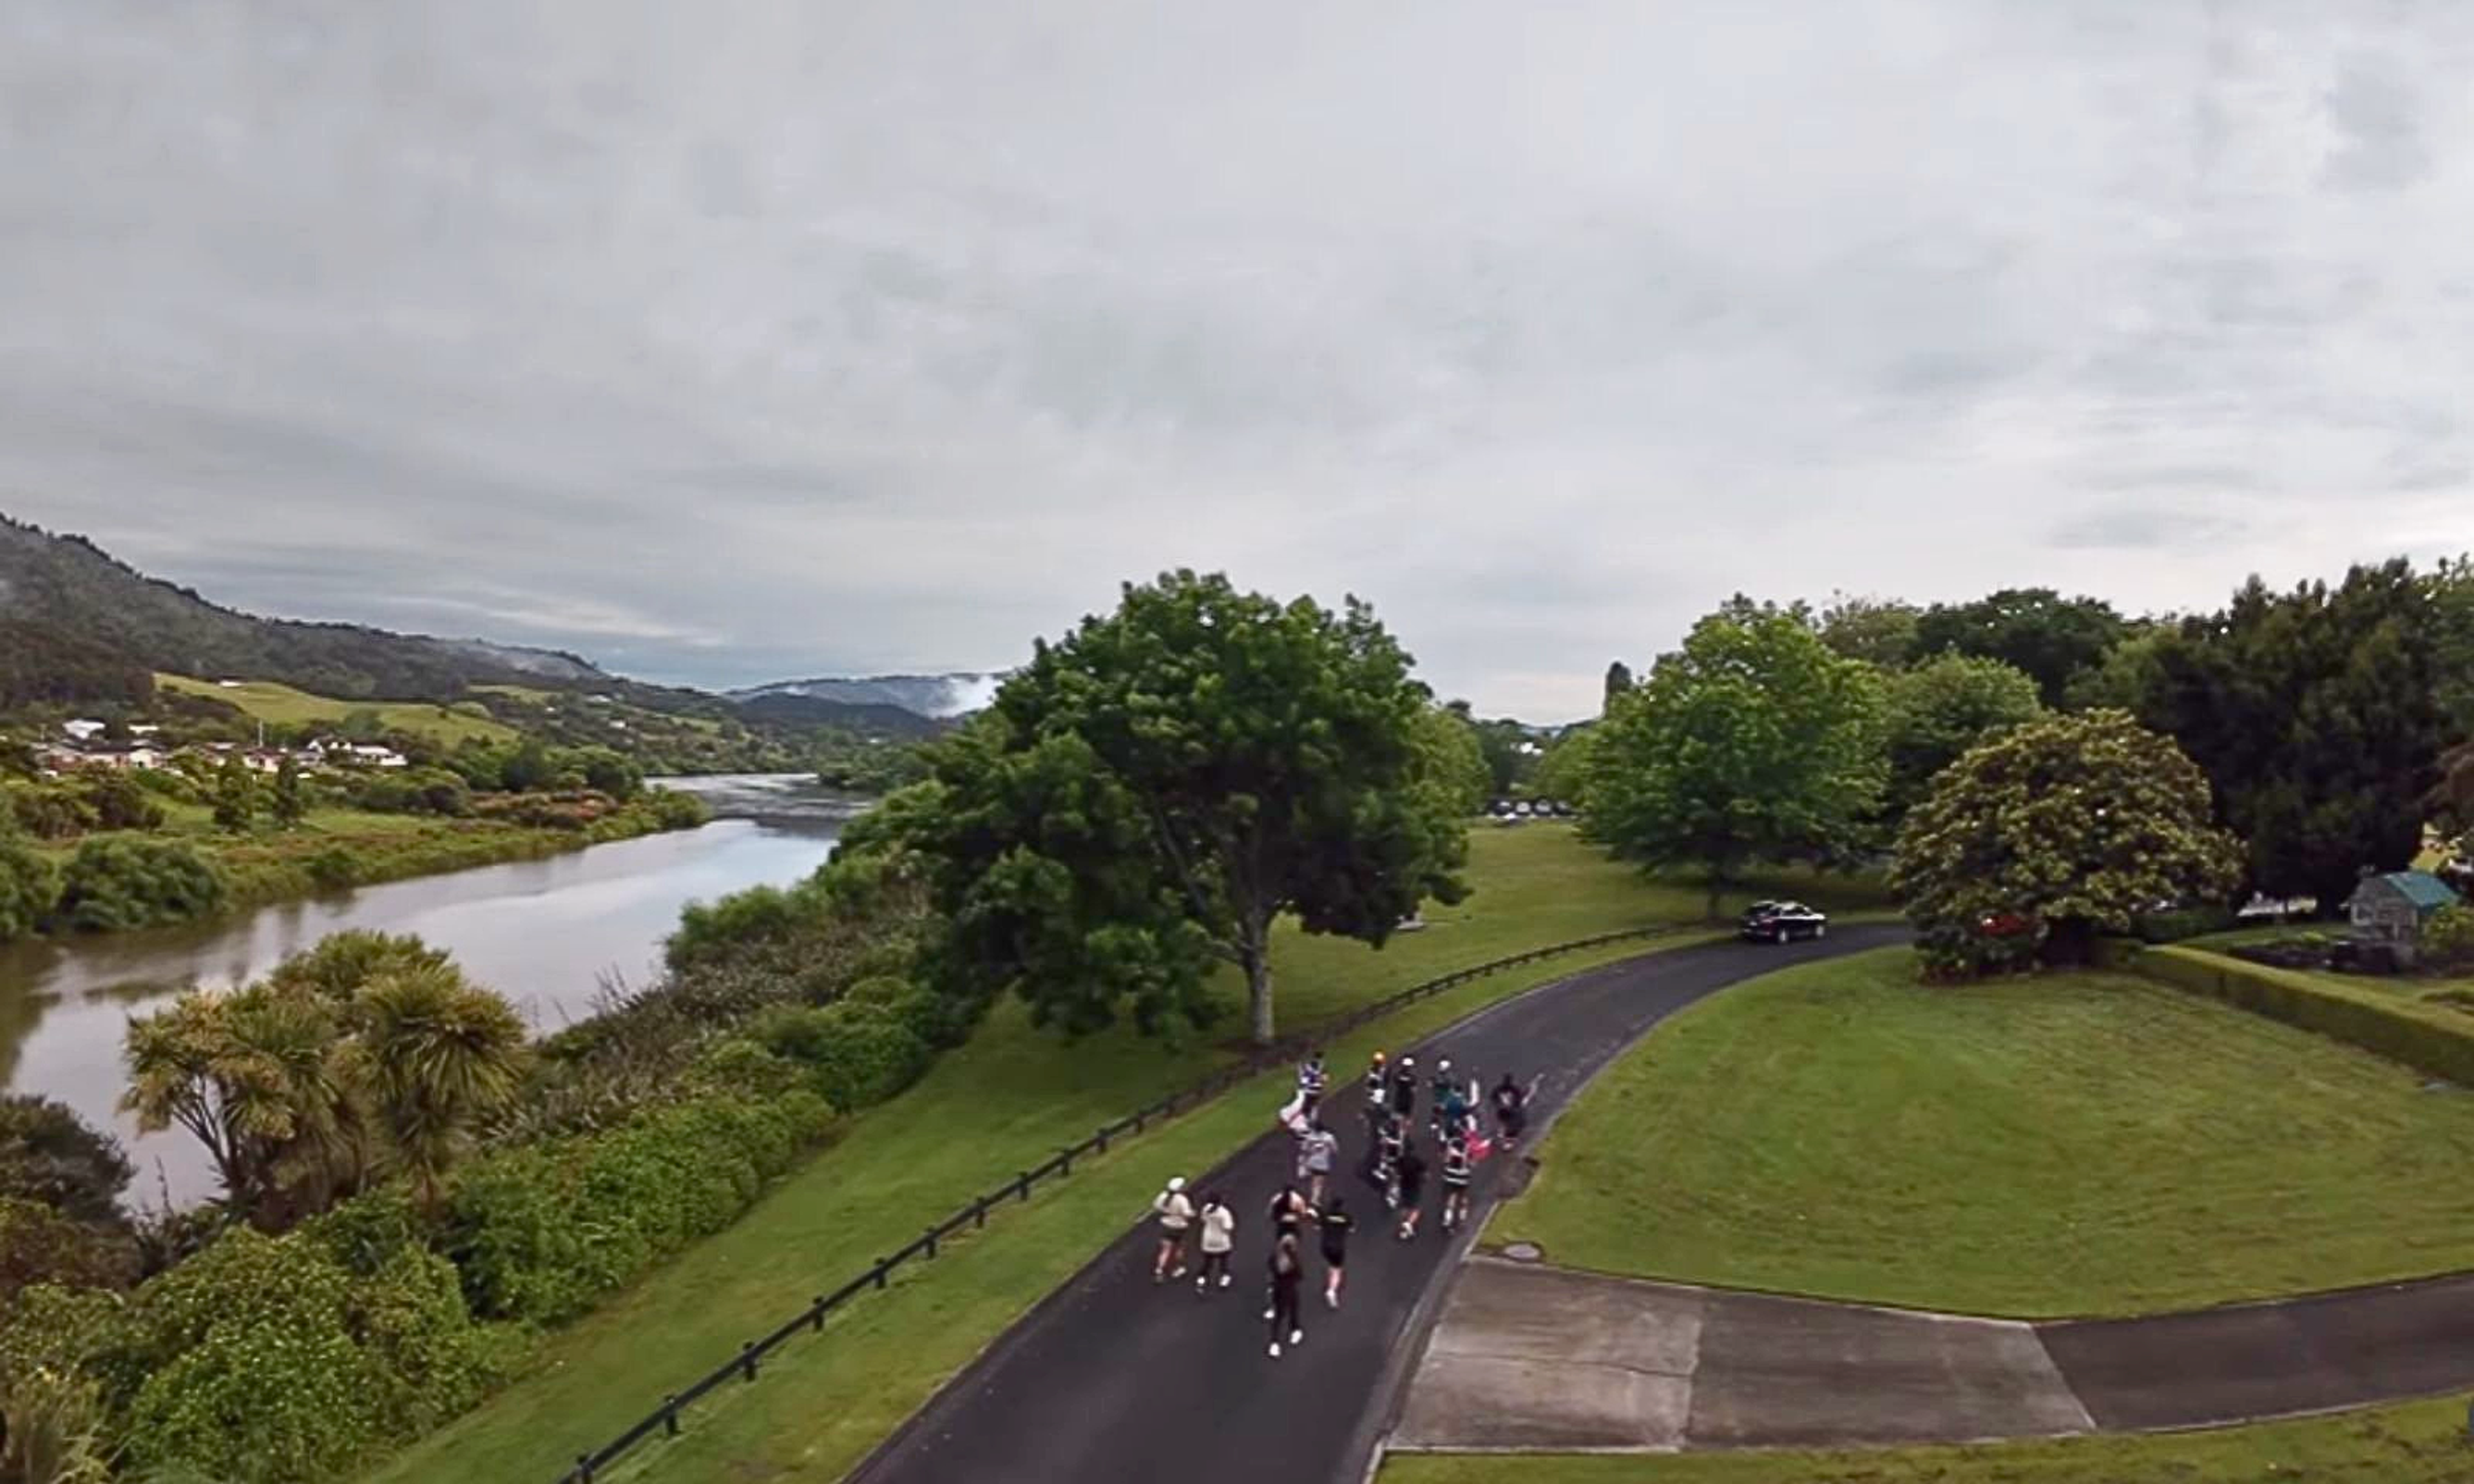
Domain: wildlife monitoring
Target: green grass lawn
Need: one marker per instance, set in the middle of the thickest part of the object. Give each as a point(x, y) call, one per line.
point(2421, 1443)
point(268, 701)
point(1002, 1103)
point(2057, 1145)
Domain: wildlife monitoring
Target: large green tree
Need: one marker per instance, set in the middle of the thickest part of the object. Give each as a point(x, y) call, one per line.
point(1941, 708)
point(1880, 631)
point(1754, 742)
point(1154, 791)
point(28, 883)
point(2051, 832)
point(2036, 629)
point(2320, 716)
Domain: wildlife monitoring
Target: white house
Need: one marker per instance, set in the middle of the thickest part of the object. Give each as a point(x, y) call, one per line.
point(82, 729)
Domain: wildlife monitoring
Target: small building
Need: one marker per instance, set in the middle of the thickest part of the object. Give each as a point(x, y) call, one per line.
point(2392, 908)
point(82, 729)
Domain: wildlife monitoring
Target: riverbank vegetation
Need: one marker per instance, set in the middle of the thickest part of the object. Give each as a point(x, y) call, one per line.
point(105, 849)
point(2068, 1144)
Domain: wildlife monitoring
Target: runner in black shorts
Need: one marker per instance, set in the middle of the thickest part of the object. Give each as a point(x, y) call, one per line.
point(1413, 1186)
point(1287, 1271)
point(1336, 1224)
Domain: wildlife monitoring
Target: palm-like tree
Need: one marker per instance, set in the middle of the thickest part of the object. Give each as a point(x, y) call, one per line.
point(439, 1055)
point(263, 1078)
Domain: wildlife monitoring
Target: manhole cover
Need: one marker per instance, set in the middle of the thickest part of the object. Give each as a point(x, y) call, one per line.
point(1525, 1252)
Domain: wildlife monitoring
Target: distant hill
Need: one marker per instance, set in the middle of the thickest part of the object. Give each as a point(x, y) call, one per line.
point(934, 696)
point(79, 625)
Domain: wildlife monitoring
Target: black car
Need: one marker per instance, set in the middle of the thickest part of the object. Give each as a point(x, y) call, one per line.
point(1781, 922)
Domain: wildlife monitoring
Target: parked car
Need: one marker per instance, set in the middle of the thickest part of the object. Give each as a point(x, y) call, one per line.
point(1781, 922)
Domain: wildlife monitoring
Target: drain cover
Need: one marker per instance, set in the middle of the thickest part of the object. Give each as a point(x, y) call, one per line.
point(1525, 1252)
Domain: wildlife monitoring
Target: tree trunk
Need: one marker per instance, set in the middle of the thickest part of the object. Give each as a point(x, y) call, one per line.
point(1258, 993)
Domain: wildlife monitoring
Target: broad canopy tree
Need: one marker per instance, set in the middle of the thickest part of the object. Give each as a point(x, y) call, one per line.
point(1148, 795)
point(2051, 832)
point(2036, 629)
point(1754, 742)
point(2320, 715)
point(1941, 708)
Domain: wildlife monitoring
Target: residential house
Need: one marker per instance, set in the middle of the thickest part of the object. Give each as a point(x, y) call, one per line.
point(82, 731)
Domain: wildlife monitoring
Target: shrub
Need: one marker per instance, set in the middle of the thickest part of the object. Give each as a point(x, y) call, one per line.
point(2430, 1041)
point(48, 1153)
point(49, 811)
point(116, 800)
point(53, 1429)
point(2448, 938)
point(859, 1055)
point(249, 1368)
point(539, 1233)
point(29, 887)
point(333, 869)
point(39, 1245)
point(130, 881)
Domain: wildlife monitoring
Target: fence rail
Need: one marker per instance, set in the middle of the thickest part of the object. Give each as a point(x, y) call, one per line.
point(748, 1364)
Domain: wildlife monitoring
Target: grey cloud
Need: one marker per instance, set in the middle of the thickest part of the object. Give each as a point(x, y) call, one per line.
point(768, 338)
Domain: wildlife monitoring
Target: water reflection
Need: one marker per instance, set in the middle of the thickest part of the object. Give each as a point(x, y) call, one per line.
point(548, 934)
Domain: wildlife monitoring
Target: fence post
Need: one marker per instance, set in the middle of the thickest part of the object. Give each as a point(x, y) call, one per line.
point(1066, 1161)
point(884, 1265)
point(747, 1357)
point(670, 1415)
point(931, 1242)
point(584, 1467)
point(1102, 1139)
point(1138, 1120)
point(980, 1212)
point(816, 1314)
point(1022, 1185)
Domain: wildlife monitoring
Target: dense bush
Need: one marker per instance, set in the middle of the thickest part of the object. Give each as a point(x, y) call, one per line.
point(130, 881)
point(116, 800)
point(2182, 923)
point(2435, 1041)
point(29, 886)
point(858, 1054)
point(48, 1153)
point(540, 1232)
point(49, 811)
point(39, 1245)
point(2448, 938)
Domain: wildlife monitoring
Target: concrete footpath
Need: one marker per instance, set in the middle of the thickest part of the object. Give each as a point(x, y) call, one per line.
point(1113, 1380)
point(1538, 1357)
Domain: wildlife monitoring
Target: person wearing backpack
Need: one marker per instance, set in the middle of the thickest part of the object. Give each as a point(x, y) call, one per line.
point(1175, 1219)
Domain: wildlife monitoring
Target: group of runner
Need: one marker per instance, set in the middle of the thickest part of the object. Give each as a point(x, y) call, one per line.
point(1394, 1164)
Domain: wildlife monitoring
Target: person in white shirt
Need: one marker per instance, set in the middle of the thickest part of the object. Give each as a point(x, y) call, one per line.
point(1219, 1238)
point(1175, 1216)
point(1316, 1153)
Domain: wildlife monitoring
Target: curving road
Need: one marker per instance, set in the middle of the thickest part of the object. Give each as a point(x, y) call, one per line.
point(1113, 1380)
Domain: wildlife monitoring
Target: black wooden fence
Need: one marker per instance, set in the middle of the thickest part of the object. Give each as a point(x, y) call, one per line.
point(664, 1419)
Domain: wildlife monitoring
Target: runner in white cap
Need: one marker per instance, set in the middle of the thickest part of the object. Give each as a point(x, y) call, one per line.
point(1176, 1216)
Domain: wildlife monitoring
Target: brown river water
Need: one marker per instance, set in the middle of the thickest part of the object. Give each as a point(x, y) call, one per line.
point(549, 934)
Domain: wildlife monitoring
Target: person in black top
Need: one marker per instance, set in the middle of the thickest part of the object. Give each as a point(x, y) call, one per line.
point(1287, 1270)
point(1335, 1224)
point(1511, 1109)
point(1404, 1087)
point(1411, 1178)
point(1288, 1212)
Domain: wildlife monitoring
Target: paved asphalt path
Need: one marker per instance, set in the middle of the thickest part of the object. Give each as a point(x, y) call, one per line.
point(1113, 1380)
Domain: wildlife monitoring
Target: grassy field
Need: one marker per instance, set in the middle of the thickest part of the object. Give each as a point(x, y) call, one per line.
point(1004, 1102)
point(2422, 1443)
point(2059, 1145)
point(268, 701)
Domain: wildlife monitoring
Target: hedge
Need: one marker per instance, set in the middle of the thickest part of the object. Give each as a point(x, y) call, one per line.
point(2437, 1042)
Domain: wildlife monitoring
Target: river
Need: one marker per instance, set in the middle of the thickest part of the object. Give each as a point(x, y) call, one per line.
point(549, 934)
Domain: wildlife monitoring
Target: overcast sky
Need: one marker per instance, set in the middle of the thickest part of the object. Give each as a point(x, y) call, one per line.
point(733, 341)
